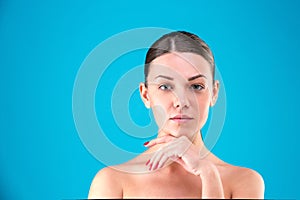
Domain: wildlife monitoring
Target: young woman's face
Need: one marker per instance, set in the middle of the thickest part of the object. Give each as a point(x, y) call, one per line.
point(180, 91)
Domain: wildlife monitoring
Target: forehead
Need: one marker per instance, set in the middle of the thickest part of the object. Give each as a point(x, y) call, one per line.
point(184, 65)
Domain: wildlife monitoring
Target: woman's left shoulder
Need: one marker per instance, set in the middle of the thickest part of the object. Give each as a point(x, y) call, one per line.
point(245, 182)
point(238, 172)
point(242, 172)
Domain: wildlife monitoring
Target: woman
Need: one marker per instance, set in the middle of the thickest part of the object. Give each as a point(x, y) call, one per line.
point(179, 88)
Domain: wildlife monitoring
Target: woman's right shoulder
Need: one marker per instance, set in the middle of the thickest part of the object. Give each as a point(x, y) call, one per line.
point(106, 183)
point(108, 175)
point(106, 172)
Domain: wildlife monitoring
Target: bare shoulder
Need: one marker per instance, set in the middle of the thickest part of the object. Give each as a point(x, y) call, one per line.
point(246, 183)
point(106, 184)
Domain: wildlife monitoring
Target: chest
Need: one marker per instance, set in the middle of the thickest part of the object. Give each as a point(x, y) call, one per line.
point(161, 186)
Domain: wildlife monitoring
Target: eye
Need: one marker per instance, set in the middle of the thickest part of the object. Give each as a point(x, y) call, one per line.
point(165, 87)
point(197, 87)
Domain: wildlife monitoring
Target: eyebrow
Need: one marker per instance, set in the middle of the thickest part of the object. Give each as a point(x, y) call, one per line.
point(190, 79)
point(166, 77)
point(197, 76)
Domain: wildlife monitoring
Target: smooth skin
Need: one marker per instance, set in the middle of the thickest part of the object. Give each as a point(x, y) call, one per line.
point(177, 164)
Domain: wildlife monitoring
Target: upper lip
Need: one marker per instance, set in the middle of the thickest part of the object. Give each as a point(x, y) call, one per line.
point(181, 117)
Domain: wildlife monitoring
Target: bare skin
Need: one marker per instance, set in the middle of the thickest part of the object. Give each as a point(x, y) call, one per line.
point(173, 181)
point(177, 163)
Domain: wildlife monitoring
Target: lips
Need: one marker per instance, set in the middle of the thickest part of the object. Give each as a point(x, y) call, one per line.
point(181, 117)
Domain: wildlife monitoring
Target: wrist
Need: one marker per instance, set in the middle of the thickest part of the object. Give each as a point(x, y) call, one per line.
point(207, 169)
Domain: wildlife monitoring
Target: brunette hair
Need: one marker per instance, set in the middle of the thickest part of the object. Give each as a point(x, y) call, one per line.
point(179, 41)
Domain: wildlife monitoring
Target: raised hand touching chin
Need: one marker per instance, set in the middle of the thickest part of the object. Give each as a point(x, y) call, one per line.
point(192, 157)
point(180, 150)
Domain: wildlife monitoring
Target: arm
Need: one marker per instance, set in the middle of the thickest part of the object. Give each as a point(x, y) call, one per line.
point(212, 187)
point(249, 184)
point(105, 185)
point(211, 183)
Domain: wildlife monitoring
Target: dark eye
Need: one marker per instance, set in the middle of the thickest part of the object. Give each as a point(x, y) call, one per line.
point(197, 87)
point(165, 87)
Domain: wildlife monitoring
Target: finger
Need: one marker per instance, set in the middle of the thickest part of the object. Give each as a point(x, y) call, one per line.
point(161, 156)
point(160, 140)
point(154, 161)
point(162, 161)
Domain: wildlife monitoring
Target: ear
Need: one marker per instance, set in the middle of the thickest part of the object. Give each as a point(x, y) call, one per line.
point(144, 95)
point(215, 94)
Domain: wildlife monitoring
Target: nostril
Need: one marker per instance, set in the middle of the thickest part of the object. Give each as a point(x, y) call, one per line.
point(180, 100)
point(181, 104)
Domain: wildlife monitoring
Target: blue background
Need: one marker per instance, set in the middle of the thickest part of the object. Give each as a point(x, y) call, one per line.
point(42, 45)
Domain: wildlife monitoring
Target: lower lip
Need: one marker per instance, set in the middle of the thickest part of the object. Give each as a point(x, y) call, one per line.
point(181, 120)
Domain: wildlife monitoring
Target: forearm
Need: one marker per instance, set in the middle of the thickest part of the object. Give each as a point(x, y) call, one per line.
point(211, 184)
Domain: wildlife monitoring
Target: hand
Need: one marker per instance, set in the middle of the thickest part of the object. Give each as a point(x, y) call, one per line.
point(184, 152)
point(180, 150)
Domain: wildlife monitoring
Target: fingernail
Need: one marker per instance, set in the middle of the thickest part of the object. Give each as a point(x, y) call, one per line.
point(155, 167)
point(147, 162)
point(150, 167)
point(146, 143)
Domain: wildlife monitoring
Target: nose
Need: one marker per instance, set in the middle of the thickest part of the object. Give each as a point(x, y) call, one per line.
point(180, 100)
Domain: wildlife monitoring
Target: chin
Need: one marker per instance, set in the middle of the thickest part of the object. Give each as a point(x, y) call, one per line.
point(178, 132)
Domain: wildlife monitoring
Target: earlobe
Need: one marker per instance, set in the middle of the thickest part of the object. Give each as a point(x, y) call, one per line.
point(144, 95)
point(215, 93)
point(212, 102)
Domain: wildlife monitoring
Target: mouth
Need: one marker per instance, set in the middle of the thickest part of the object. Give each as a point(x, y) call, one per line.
point(181, 118)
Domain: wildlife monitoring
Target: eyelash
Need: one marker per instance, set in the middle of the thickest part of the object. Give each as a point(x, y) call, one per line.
point(199, 85)
point(170, 87)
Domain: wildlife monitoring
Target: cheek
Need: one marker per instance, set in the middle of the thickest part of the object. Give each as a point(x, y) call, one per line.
point(160, 114)
point(160, 99)
point(202, 110)
point(159, 108)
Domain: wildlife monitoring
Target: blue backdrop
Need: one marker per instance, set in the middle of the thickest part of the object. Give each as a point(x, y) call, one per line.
point(43, 44)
